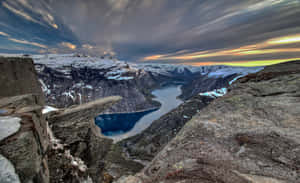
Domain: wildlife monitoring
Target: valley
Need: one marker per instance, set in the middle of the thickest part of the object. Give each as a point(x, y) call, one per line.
point(145, 91)
point(126, 125)
point(75, 150)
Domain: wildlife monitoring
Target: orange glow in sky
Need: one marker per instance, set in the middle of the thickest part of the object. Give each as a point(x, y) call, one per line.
point(247, 50)
point(253, 63)
point(286, 40)
point(153, 57)
point(69, 45)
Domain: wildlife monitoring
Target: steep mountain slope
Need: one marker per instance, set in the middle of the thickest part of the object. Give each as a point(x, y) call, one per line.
point(249, 135)
point(146, 145)
point(73, 79)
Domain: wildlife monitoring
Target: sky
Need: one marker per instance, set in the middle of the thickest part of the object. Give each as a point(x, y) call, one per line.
point(192, 32)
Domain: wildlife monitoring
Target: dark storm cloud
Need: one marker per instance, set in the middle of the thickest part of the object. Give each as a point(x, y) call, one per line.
point(135, 29)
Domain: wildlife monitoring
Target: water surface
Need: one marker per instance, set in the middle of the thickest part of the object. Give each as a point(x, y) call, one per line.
point(121, 126)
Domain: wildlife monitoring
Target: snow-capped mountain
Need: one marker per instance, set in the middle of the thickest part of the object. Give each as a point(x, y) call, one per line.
point(73, 79)
point(69, 79)
point(112, 69)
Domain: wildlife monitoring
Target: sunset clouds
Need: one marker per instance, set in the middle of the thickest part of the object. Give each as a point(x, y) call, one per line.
point(167, 31)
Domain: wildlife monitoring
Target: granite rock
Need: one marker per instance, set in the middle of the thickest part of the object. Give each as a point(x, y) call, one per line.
point(249, 135)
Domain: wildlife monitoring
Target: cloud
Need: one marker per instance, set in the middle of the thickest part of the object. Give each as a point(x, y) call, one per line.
point(265, 49)
point(20, 13)
point(37, 12)
point(168, 31)
point(285, 40)
point(87, 46)
point(28, 43)
point(3, 34)
point(247, 63)
point(69, 45)
point(255, 49)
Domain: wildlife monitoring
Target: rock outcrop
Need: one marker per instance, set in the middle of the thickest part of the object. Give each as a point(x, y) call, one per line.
point(75, 130)
point(24, 140)
point(29, 151)
point(249, 135)
point(29, 148)
point(18, 77)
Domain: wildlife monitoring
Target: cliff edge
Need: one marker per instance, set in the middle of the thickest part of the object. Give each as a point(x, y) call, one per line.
point(30, 151)
point(249, 135)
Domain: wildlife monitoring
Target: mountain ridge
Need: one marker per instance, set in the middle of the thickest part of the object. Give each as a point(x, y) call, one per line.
point(70, 79)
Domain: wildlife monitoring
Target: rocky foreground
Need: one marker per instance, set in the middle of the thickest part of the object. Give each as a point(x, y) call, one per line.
point(29, 150)
point(249, 135)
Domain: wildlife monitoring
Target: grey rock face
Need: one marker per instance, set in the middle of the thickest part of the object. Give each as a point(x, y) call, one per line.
point(7, 171)
point(8, 126)
point(84, 85)
point(203, 84)
point(18, 77)
point(26, 147)
point(75, 128)
point(129, 179)
point(249, 135)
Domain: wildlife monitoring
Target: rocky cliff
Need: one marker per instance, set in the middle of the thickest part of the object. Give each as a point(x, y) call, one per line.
point(24, 141)
point(18, 77)
point(249, 135)
point(29, 150)
point(76, 135)
point(80, 85)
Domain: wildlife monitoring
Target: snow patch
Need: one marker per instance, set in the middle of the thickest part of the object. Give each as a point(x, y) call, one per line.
point(69, 94)
point(44, 87)
point(227, 71)
point(89, 87)
point(48, 109)
point(215, 93)
point(185, 117)
point(236, 78)
point(80, 98)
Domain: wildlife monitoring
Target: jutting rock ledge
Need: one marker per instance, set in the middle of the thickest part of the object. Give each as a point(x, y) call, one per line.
point(29, 150)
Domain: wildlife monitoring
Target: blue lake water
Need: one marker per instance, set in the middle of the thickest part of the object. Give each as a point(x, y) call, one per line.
point(124, 125)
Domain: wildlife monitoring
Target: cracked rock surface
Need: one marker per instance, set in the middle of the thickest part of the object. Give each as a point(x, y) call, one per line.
point(249, 135)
